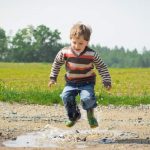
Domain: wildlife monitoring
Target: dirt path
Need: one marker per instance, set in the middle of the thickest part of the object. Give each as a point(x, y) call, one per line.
point(119, 127)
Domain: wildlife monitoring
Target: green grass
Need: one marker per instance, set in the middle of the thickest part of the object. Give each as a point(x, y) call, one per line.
point(106, 99)
point(31, 96)
point(27, 83)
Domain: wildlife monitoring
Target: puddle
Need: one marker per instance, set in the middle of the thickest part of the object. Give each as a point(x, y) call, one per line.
point(55, 137)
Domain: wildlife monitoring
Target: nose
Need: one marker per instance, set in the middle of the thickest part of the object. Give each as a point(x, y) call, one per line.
point(77, 46)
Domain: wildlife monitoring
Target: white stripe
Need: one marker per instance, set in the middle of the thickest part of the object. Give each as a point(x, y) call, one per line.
point(68, 51)
point(89, 53)
point(71, 75)
point(80, 65)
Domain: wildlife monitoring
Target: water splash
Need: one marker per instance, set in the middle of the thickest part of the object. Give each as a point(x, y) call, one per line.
point(55, 137)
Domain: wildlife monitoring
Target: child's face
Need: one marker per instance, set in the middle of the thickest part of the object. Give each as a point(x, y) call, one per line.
point(78, 44)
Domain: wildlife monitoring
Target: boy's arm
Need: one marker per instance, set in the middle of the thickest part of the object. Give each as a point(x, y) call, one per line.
point(58, 62)
point(103, 71)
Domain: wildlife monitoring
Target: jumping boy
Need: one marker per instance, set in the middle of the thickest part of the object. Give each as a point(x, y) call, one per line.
point(80, 77)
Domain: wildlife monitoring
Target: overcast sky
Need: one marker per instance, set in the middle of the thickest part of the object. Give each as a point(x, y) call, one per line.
point(114, 22)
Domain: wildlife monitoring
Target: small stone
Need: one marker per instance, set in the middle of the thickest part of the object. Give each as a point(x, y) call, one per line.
point(61, 136)
point(77, 131)
point(139, 118)
point(14, 138)
point(78, 139)
point(84, 139)
point(104, 140)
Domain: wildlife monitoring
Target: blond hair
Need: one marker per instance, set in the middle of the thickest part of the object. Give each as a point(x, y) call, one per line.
point(80, 29)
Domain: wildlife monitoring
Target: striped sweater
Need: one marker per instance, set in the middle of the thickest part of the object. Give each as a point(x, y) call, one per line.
point(79, 68)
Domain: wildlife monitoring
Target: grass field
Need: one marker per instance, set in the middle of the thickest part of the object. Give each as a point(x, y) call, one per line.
point(27, 83)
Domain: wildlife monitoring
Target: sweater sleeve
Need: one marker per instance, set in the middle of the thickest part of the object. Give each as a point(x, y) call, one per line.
point(58, 62)
point(102, 69)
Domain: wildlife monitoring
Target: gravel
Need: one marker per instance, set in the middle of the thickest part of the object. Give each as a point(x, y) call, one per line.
point(123, 125)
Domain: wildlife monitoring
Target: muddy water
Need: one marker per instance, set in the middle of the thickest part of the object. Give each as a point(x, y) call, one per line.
point(55, 137)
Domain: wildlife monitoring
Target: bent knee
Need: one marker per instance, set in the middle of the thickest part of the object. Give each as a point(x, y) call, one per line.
point(88, 103)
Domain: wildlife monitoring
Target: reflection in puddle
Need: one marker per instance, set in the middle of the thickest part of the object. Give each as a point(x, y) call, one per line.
point(30, 140)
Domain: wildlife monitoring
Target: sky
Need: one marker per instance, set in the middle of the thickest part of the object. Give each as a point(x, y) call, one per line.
point(114, 22)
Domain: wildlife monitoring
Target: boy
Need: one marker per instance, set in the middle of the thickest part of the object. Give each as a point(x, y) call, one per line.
point(79, 61)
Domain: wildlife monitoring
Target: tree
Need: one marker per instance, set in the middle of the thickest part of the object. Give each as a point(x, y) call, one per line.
point(35, 44)
point(46, 43)
point(3, 44)
point(146, 58)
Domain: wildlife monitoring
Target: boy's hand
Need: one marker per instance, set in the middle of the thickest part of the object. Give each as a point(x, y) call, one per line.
point(51, 82)
point(108, 88)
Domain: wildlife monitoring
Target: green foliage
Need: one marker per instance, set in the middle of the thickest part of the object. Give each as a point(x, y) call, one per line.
point(40, 44)
point(3, 44)
point(32, 44)
point(121, 58)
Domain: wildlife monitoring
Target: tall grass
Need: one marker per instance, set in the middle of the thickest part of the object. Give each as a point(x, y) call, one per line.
point(27, 83)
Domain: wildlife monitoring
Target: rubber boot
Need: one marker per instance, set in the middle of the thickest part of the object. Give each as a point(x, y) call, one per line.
point(73, 113)
point(91, 119)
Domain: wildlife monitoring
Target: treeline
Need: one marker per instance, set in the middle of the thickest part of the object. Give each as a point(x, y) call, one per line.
point(41, 44)
point(30, 44)
point(122, 58)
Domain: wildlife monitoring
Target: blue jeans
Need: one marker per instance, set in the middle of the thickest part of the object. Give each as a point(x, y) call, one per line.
point(85, 91)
